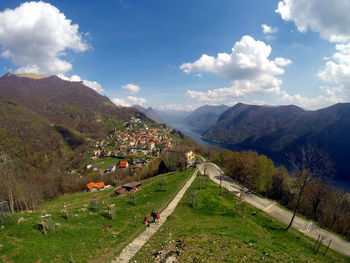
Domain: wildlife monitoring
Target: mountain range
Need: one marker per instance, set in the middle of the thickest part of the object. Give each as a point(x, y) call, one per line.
point(277, 130)
point(44, 117)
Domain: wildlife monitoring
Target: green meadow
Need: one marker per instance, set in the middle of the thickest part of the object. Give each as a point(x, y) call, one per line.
point(90, 234)
point(205, 228)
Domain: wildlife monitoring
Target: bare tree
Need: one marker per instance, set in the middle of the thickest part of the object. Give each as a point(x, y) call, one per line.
point(7, 177)
point(309, 163)
point(205, 168)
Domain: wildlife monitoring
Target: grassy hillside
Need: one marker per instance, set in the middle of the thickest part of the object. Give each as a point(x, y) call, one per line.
point(90, 234)
point(211, 232)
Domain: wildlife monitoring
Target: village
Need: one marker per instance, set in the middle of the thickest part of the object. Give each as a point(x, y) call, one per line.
point(131, 148)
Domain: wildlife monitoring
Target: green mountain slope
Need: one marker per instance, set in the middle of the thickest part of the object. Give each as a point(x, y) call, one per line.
point(27, 137)
point(63, 102)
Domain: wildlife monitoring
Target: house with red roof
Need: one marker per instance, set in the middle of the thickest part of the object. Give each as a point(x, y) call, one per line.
point(123, 164)
point(93, 187)
point(151, 145)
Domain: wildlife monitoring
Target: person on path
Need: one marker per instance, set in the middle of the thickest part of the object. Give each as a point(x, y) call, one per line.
point(145, 220)
point(158, 217)
point(154, 215)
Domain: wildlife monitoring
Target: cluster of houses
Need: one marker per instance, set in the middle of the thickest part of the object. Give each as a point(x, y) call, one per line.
point(135, 146)
point(142, 140)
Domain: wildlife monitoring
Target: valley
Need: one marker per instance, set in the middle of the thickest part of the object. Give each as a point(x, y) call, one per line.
point(174, 131)
point(278, 131)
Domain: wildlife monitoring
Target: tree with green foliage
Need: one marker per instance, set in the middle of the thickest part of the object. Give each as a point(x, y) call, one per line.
point(264, 173)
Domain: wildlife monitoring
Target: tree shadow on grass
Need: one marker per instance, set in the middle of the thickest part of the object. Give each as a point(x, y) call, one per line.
point(229, 214)
point(271, 226)
point(64, 217)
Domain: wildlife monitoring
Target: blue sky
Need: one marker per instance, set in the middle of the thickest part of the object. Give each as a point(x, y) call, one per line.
point(151, 52)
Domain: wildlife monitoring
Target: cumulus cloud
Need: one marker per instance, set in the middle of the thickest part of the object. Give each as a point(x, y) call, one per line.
point(35, 36)
point(247, 67)
point(328, 97)
point(329, 18)
point(131, 88)
point(337, 69)
point(282, 62)
point(91, 84)
point(268, 29)
point(238, 89)
point(136, 100)
point(130, 101)
point(120, 102)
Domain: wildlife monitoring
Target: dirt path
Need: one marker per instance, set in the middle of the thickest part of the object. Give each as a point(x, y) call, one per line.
point(131, 250)
point(307, 227)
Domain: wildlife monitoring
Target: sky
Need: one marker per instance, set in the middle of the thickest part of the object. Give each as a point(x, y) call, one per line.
point(179, 55)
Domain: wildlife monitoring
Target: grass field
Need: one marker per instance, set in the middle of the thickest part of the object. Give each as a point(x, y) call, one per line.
point(90, 235)
point(211, 232)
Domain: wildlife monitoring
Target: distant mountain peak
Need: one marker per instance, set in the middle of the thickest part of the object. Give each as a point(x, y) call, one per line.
point(149, 112)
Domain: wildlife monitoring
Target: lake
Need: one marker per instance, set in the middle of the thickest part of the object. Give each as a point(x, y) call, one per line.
point(198, 138)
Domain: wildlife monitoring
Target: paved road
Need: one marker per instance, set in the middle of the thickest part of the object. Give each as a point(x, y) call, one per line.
point(130, 251)
point(270, 207)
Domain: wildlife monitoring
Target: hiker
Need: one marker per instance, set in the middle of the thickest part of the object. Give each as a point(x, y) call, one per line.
point(154, 215)
point(158, 217)
point(145, 220)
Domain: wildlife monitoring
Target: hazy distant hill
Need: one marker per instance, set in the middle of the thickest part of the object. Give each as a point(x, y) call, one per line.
point(150, 113)
point(278, 130)
point(172, 117)
point(205, 117)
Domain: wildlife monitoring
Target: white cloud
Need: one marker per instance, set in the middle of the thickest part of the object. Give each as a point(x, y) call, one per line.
point(91, 84)
point(329, 18)
point(337, 70)
point(136, 100)
point(120, 102)
point(248, 67)
point(130, 101)
point(35, 36)
point(282, 62)
point(268, 29)
point(329, 97)
point(238, 89)
point(131, 88)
